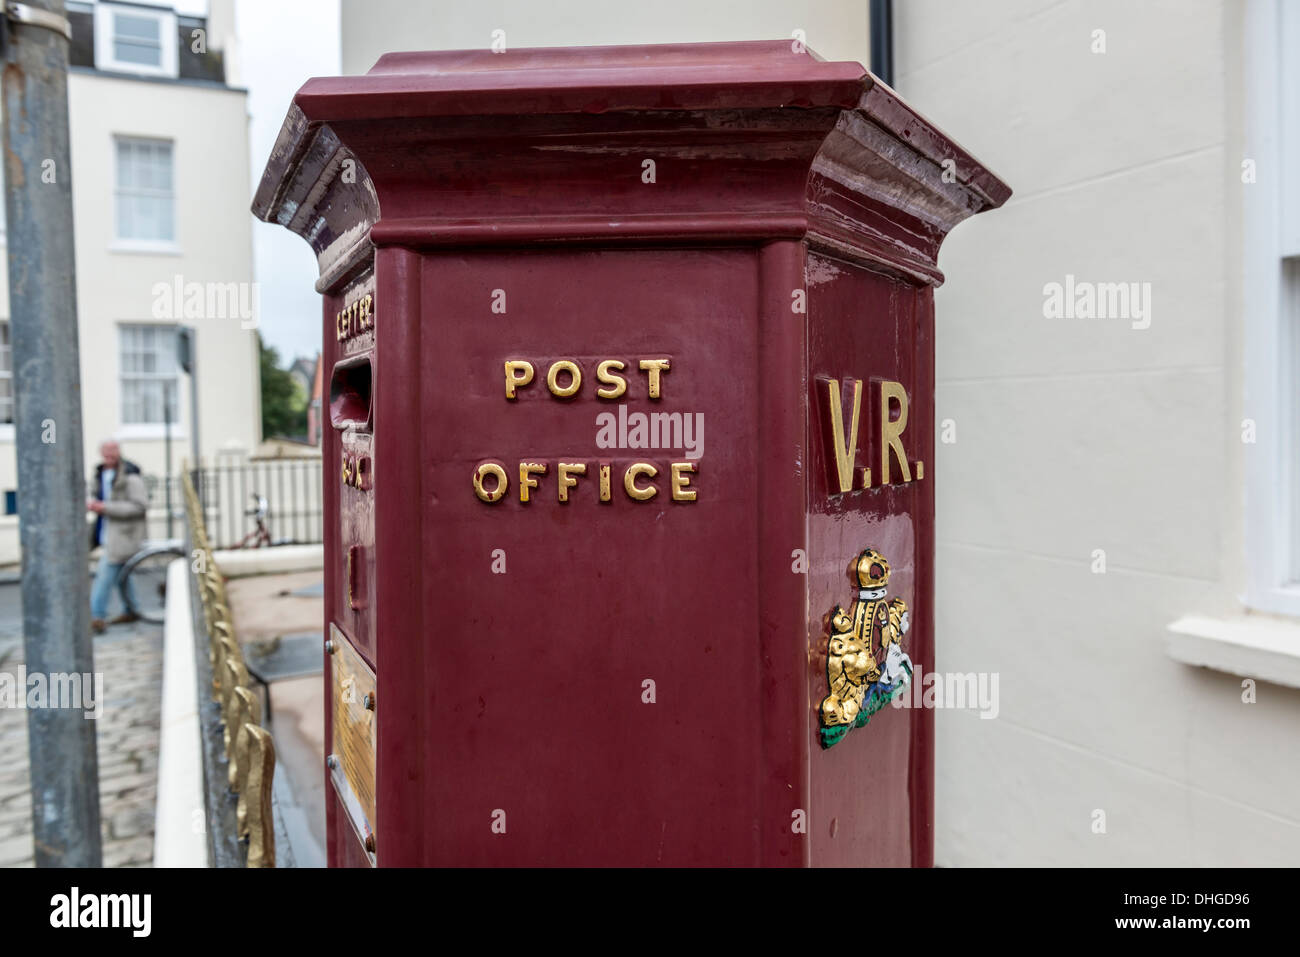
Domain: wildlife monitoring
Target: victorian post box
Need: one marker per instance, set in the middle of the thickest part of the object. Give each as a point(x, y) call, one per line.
point(629, 485)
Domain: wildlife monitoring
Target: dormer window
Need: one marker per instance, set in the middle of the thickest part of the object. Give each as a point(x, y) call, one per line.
point(135, 39)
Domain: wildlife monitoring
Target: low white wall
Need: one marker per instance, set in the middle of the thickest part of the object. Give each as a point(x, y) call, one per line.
point(241, 563)
point(180, 824)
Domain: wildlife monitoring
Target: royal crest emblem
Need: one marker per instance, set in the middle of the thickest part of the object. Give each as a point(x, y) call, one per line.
point(865, 664)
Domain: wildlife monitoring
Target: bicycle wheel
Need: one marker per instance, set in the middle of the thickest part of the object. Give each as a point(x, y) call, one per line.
point(145, 577)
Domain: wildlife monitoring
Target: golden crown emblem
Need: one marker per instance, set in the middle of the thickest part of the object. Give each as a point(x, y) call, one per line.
point(872, 569)
point(866, 667)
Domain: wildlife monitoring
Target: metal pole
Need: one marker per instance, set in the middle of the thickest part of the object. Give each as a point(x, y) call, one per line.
point(193, 369)
point(882, 39)
point(47, 427)
point(167, 442)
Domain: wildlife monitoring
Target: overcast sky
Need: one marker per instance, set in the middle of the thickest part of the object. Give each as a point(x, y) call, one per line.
point(281, 44)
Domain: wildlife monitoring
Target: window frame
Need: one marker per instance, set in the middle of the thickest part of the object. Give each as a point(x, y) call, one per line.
point(105, 35)
point(147, 429)
point(127, 244)
point(1271, 314)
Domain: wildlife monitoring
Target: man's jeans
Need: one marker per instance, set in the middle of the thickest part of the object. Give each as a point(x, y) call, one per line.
point(102, 590)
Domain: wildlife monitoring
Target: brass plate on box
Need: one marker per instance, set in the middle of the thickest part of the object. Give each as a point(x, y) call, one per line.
point(354, 722)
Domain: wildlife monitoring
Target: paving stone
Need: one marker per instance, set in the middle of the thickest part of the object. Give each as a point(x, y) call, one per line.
point(16, 787)
point(137, 850)
point(21, 813)
point(127, 743)
point(139, 797)
point(15, 849)
point(121, 783)
point(132, 821)
point(120, 765)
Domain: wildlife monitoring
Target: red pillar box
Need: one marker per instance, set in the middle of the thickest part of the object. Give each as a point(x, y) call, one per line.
point(629, 486)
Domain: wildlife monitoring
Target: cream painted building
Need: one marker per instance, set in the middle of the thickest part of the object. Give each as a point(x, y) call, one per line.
point(160, 178)
point(1117, 498)
point(1152, 143)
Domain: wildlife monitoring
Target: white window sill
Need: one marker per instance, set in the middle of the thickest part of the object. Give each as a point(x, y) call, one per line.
point(135, 69)
point(6, 431)
point(144, 247)
point(152, 430)
point(1253, 646)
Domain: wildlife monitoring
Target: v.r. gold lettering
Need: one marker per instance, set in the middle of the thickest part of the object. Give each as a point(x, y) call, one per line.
point(841, 433)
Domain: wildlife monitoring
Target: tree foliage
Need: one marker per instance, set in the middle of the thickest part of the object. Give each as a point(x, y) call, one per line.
point(284, 403)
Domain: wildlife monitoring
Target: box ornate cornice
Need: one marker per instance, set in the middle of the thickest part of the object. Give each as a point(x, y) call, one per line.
point(751, 142)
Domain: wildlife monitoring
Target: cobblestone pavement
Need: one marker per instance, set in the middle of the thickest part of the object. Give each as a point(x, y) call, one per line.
point(130, 658)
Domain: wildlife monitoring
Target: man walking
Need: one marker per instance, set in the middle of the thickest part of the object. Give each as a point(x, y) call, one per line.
point(120, 502)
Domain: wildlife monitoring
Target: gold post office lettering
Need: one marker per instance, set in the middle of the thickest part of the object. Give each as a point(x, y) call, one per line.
point(611, 380)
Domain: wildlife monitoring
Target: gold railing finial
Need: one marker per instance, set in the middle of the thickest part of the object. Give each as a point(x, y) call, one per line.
point(249, 748)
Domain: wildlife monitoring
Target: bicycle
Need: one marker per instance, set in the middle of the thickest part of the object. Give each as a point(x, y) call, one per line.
point(146, 570)
point(144, 578)
point(261, 535)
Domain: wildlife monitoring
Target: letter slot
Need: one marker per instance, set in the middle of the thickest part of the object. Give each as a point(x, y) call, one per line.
point(350, 394)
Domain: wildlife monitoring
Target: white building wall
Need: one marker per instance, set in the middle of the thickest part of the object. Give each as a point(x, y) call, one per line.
point(208, 129)
point(1082, 435)
point(208, 126)
point(836, 29)
point(1072, 435)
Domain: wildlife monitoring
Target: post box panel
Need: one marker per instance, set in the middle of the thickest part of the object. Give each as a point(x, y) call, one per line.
point(626, 652)
point(348, 449)
point(348, 496)
point(631, 406)
point(871, 337)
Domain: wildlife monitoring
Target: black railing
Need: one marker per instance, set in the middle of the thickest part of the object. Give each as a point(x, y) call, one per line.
point(291, 487)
